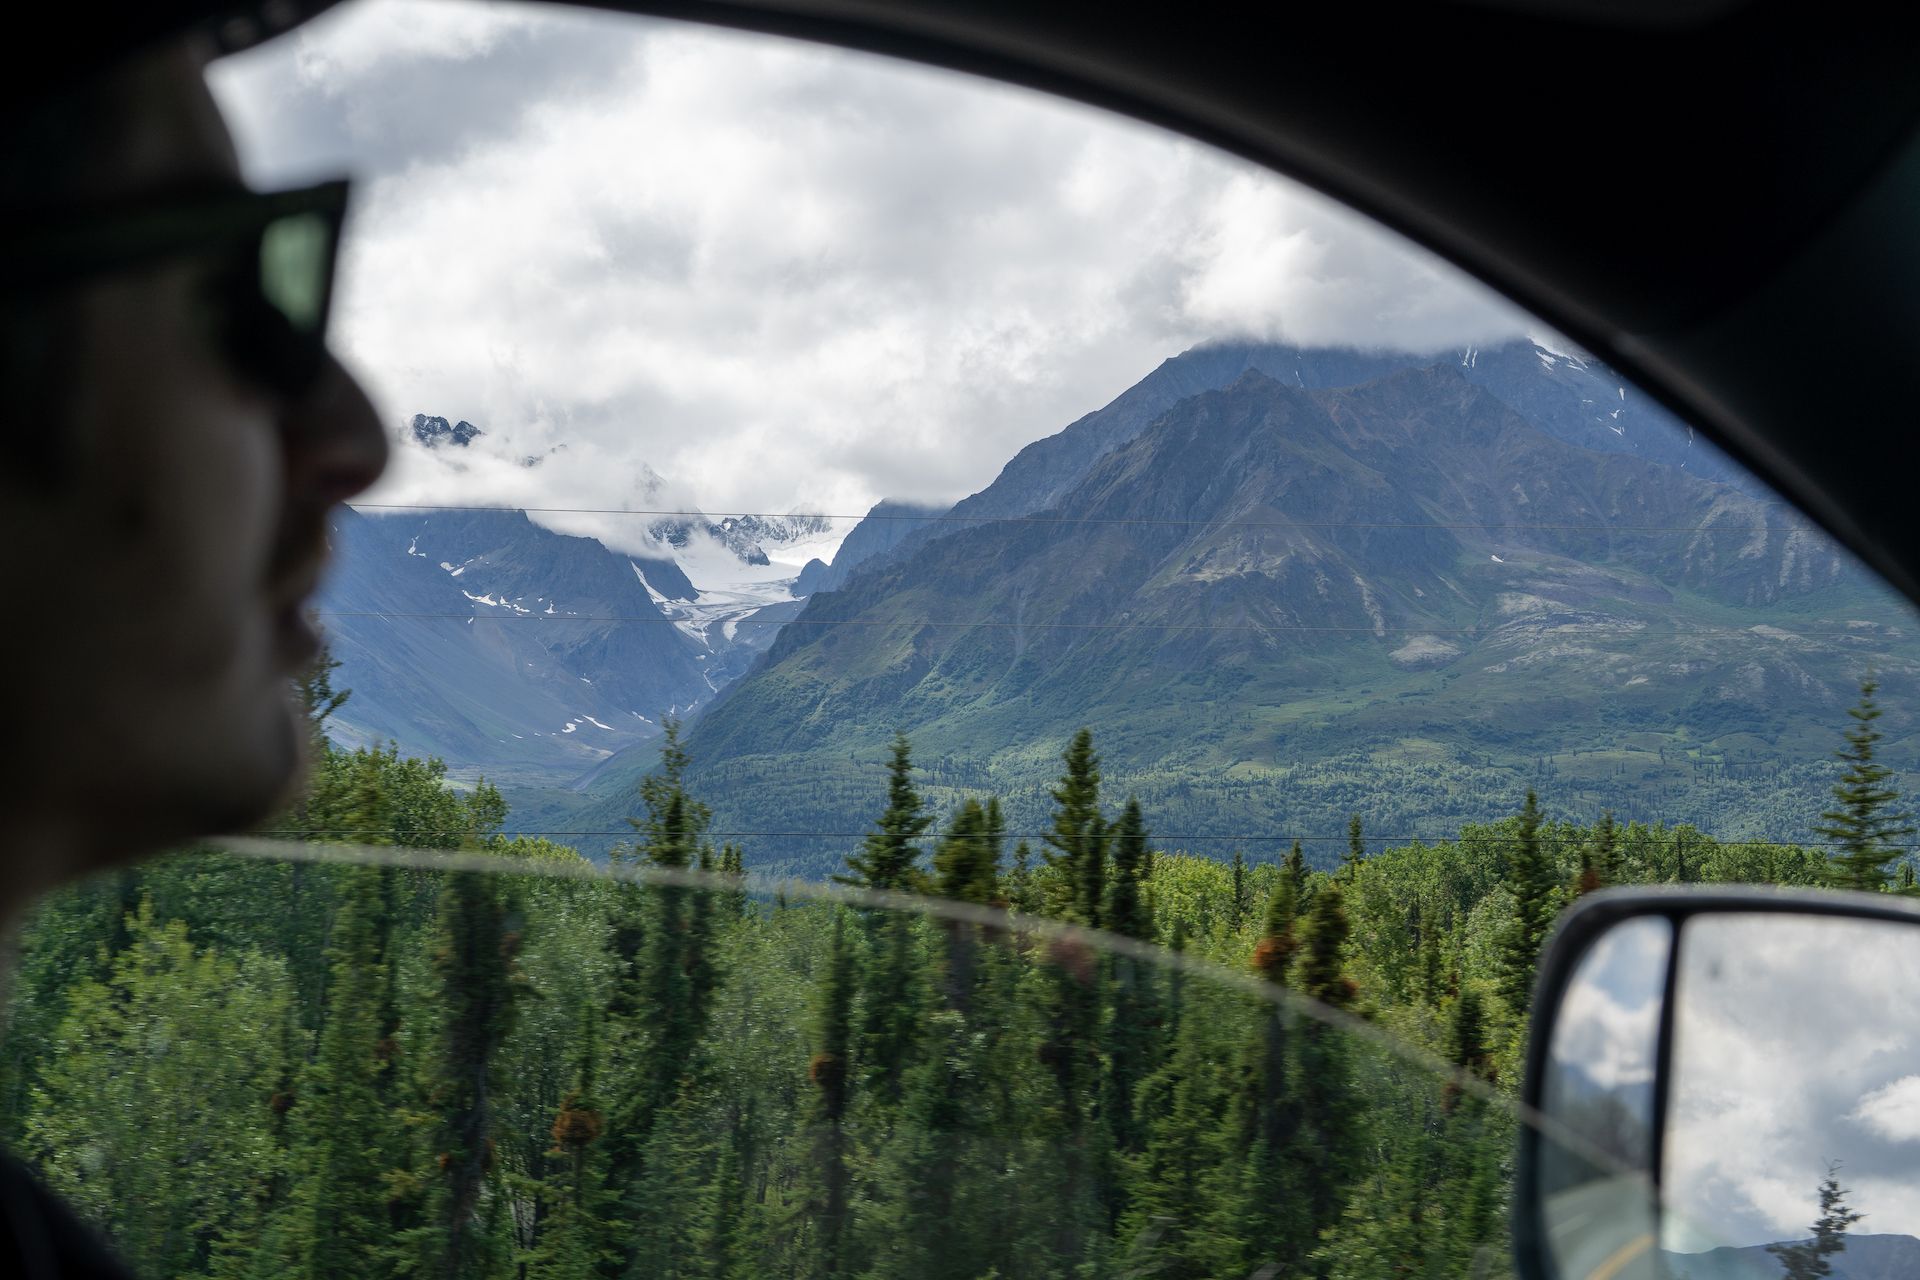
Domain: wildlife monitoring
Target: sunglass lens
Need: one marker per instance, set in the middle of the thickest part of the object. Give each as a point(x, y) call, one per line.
point(296, 269)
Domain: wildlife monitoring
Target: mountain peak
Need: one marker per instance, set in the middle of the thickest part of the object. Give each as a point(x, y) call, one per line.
point(434, 432)
point(1254, 380)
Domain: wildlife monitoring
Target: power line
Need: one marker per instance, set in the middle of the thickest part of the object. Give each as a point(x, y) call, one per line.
point(1094, 520)
point(536, 616)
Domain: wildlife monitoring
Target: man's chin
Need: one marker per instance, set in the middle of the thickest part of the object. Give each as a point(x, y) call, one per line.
point(257, 785)
point(282, 788)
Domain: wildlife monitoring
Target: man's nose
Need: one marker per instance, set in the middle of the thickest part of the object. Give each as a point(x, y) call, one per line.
point(335, 444)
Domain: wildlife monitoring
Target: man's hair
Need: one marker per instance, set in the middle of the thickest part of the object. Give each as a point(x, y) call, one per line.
point(50, 143)
point(50, 148)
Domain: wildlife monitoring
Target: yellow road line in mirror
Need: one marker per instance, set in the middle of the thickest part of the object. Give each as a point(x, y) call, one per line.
point(1617, 1261)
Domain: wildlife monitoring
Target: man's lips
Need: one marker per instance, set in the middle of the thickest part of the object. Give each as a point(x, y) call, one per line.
point(294, 632)
point(294, 583)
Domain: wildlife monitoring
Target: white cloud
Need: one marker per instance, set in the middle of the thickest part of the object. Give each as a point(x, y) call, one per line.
point(1608, 1024)
point(1275, 261)
point(780, 274)
point(1892, 1111)
point(1790, 1032)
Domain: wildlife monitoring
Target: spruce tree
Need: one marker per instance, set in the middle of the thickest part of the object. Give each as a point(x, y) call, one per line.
point(1810, 1259)
point(1328, 1109)
point(1430, 964)
point(1295, 869)
point(1607, 862)
point(966, 864)
point(1467, 1046)
point(1863, 824)
point(1237, 893)
point(1321, 972)
point(725, 1237)
point(919, 1174)
point(1267, 1111)
point(826, 1204)
point(888, 858)
point(733, 903)
point(1071, 1052)
point(1530, 877)
point(1273, 954)
point(996, 830)
point(1079, 835)
point(966, 870)
point(343, 1146)
point(1469, 1162)
point(1127, 911)
point(666, 969)
point(1133, 1025)
point(313, 690)
point(1022, 895)
point(1356, 850)
point(569, 1242)
point(1175, 1189)
point(474, 961)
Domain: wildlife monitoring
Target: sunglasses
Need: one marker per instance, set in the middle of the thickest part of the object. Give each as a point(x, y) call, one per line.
point(271, 297)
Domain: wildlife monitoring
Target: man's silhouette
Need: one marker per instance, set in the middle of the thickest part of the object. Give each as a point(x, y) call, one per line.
point(174, 438)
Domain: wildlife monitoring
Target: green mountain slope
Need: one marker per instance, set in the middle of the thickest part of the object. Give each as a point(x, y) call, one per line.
point(1277, 605)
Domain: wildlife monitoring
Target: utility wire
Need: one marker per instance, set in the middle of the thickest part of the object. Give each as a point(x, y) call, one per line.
point(536, 616)
point(1092, 520)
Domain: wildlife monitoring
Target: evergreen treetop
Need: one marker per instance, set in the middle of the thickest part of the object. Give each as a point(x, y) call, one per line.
point(1810, 1259)
point(675, 823)
point(966, 865)
point(1863, 824)
point(1128, 912)
point(889, 858)
point(1079, 835)
point(1599, 858)
point(1273, 954)
point(1530, 877)
point(1295, 867)
point(1238, 897)
point(1322, 966)
point(1356, 848)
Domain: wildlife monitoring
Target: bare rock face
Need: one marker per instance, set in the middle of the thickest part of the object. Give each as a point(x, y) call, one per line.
point(1423, 652)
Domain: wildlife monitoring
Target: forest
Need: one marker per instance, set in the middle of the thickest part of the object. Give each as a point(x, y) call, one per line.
point(1112, 1059)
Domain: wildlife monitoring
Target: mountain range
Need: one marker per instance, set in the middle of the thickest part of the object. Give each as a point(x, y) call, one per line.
point(1866, 1257)
point(531, 656)
point(1281, 585)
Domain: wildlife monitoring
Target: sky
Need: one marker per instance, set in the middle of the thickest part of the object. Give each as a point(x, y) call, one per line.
point(780, 276)
point(1796, 1043)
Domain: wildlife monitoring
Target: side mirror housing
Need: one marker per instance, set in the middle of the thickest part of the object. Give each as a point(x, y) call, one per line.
point(1723, 1085)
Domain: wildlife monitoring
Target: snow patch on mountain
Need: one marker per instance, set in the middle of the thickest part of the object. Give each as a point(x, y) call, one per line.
point(729, 591)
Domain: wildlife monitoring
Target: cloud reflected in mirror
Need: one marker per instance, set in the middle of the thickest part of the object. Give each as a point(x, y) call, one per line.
point(1599, 1089)
point(1796, 1049)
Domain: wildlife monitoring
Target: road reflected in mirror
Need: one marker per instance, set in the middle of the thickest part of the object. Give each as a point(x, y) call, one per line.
point(1795, 1098)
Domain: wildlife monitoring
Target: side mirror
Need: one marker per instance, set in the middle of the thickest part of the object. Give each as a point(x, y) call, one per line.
point(1724, 1085)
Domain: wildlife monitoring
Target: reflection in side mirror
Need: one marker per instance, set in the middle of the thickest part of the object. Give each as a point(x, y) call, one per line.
point(1728, 1088)
point(1595, 1169)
